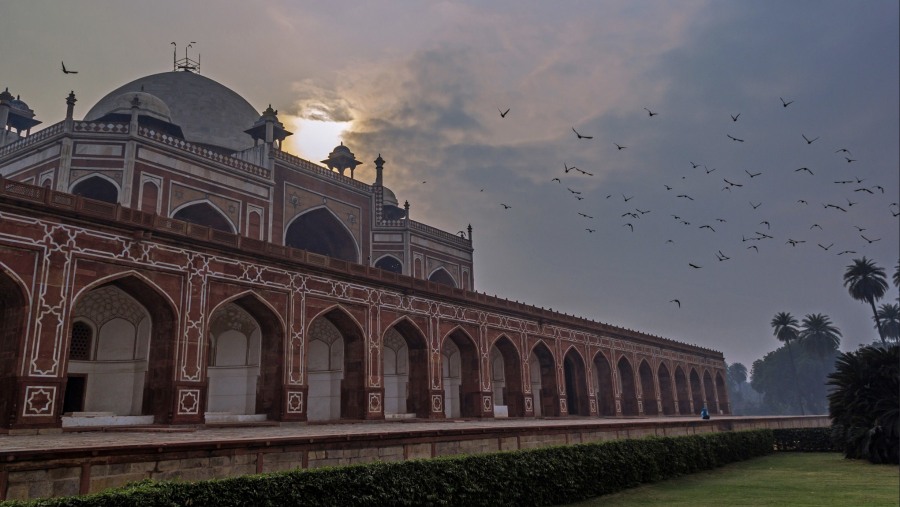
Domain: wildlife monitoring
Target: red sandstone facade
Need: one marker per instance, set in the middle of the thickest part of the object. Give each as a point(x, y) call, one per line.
point(194, 250)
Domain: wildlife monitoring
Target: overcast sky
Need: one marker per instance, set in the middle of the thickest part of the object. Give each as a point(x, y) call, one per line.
point(421, 83)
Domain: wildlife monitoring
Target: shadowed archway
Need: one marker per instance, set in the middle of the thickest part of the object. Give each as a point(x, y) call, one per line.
point(722, 391)
point(648, 389)
point(684, 396)
point(320, 231)
point(442, 277)
point(506, 379)
point(576, 384)
point(462, 396)
point(543, 381)
point(696, 391)
point(710, 392)
point(606, 397)
point(629, 391)
point(13, 310)
point(337, 369)
point(666, 394)
point(203, 213)
point(97, 188)
point(405, 369)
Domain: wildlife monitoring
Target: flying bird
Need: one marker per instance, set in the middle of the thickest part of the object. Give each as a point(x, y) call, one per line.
point(850, 159)
point(879, 187)
point(754, 206)
point(753, 247)
point(752, 175)
point(676, 302)
point(573, 191)
point(843, 150)
point(583, 172)
point(808, 141)
point(721, 220)
point(707, 227)
point(627, 198)
point(794, 242)
point(858, 228)
point(766, 223)
point(764, 236)
point(734, 118)
point(786, 104)
point(694, 166)
point(847, 252)
point(686, 196)
point(805, 169)
point(556, 180)
point(823, 247)
point(651, 113)
point(721, 256)
point(619, 146)
point(733, 184)
point(813, 226)
point(567, 168)
point(641, 211)
point(667, 187)
point(581, 136)
point(801, 201)
point(585, 216)
point(869, 240)
point(67, 71)
point(734, 138)
point(694, 266)
point(835, 206)
point(591, 230)
point(503, 113)
point(842, 182)
point(708, 170)
point(630, 226)
point(505, 206)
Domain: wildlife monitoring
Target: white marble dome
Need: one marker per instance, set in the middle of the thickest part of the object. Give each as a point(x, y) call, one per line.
point(208, 113)
point(149, 105)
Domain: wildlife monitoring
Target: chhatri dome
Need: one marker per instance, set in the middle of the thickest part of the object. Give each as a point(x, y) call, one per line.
point(208, 112)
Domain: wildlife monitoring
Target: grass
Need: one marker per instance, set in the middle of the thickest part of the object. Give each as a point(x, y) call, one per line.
point(795, 479)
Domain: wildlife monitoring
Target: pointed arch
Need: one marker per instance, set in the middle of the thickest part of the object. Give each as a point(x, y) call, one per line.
point(204, 212)
point(629, 390)
point(507, 376)
point(648, 388)
point(682, 391)
point(353, 370)
point(666, 392)
point(468, 392)
point(443, 277)
point(320, 231)
point(606, 395)
point(96, 186)
point(14, 310)
point(264, 365)
point(389, 263)
point(408, 385)
point(696, 391)
point(576, 383)
point(157, 384)
point(710, 391)
point(722, 391)
point(543, 369)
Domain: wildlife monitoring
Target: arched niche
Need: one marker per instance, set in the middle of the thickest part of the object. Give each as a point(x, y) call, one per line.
point(710, 392)
point(13, 312)
point(389, 263)
point(336, 366)
point(696, 391)
point(320, 231)
point(405, 367)
point(606, 397)
point(543, 381)
point(666, 392)
point(204, 213)
point(443, 277)
point(683, 392)
point(97, 187)
point(506, 379)
point(648, 389)
point(629, 390)
point(724, 405)
point(576, 383)
point(460, 375)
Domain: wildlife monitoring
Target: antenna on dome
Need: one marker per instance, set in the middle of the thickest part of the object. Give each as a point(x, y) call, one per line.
point(186, 64)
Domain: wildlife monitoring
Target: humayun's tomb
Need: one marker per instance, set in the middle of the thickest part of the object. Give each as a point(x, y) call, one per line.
point(163, 261)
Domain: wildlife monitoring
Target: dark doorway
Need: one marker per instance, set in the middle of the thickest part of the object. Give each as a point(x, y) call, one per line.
point(74, 397)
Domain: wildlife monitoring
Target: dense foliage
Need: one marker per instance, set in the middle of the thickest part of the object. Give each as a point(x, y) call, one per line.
point(864, 403)
point(783, 392)
point(805, 440)
point(547, 476)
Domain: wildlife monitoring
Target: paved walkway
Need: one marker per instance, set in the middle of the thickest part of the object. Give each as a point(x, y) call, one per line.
point(125, 437)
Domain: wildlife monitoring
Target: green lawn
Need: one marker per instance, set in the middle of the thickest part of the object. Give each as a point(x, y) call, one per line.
point(813, 479)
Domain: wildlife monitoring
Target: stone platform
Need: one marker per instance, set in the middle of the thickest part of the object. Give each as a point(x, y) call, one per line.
point(78, 461)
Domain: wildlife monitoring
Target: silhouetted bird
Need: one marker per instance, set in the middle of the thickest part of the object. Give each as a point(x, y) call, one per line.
point(843, 150)
point(505, 206)
point(823, 247)
point(843, 182)
point(766, 223)
point(879, 187)
point(694, 266)
point(786, 104)
point(591, 230)
point(858, 228)
point(630, 226)
point(581, 136)
point(651, 113)
point(585, 216)
point(794, 242)
point(583, 172)
point(707, 227)
point(754, 206)
point(734, 138)
point(676, 301)
point(847, 252)
point(734, 118)
point(850, 159)
point(694, 166)
point(620, 147)
point(721, 220)
point(835, 207)
point(808, 141)
point(573, 191)
point(801, 201)
point(752, 175)
point(804, 169)
point(753, 247)
point(869, 240)
point(708, 170)
point(556, 180)
point(67, 71)
point(627, 198)
point(686, 196)
point(813, 226)
point(667, 187)
point(503, 113)
point(732, 184)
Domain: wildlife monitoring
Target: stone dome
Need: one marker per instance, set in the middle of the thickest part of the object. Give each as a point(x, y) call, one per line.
point(389, 198)
point(149, 105)
point(207, 112)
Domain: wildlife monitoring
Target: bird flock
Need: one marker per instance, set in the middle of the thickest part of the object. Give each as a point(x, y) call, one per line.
point(767, 234)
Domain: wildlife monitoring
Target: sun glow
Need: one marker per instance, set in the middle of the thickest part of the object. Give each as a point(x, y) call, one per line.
point(314, 139)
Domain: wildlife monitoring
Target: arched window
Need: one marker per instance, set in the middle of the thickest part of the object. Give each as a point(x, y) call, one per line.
point(389, 263)
point(149, 197)
point(204, 213)
point(97, 188)
point(321, 232)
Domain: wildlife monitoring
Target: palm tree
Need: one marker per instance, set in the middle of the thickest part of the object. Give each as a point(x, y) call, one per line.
point(785, 326)
point(737, 373)
point(819, 336)
point(889, 314)
point(866, 282)
point(897, 276)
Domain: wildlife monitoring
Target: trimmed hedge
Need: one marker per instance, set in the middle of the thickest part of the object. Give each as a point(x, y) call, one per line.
point(546, 476)
point(805, 440)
